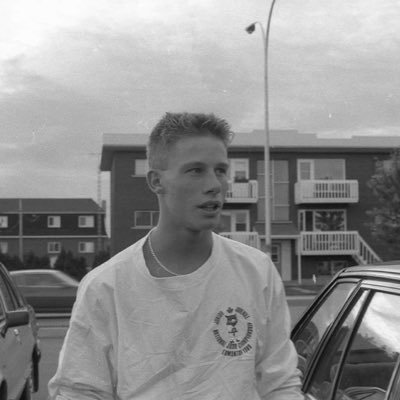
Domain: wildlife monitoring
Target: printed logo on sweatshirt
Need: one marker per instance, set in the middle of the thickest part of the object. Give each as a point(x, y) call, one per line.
point(233, 330)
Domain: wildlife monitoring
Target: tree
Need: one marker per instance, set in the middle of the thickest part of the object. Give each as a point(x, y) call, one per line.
point(71, 265)
point(31, 261)
point(385, 217)
point(11, 262)
point(101, 257)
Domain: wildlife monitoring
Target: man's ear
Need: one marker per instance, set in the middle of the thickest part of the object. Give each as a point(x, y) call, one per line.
point(155, 182)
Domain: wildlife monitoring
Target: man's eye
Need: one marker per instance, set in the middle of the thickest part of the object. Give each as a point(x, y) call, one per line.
point(195, 170)
point(222, 171)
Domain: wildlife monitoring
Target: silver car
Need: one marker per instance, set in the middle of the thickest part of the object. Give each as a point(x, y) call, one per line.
point(47, 290)
point(19, 344)
point(348, 341)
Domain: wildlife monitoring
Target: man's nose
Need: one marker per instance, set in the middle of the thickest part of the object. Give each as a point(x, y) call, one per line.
point(215, 183)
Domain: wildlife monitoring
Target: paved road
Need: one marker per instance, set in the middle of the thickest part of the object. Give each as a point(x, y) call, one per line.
point(297, 305)
point(51, 334)
point(52, 331)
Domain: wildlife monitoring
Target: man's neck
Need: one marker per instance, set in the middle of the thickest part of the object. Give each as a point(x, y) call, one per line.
point(181, 252)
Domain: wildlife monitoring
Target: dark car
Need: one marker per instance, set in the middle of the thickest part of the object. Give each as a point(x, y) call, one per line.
point(348, 340)
point(47, 290)
point(19, 344)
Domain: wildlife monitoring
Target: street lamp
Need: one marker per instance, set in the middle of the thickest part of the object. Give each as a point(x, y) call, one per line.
point(265, 34)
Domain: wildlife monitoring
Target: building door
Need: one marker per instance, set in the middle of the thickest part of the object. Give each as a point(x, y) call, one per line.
point(322, 220)
point(276, 256)
point(306, 222)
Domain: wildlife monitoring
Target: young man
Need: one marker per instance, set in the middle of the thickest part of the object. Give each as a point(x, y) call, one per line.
point(183, 313)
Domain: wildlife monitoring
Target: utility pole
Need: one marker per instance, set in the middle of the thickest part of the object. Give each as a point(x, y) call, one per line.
point(99, 212)
point(20, 231)
point(99, 207)
point(267, 170)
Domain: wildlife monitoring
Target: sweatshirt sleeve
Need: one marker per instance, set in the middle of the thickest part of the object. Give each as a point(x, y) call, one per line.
point(276, 366)
point(86, 366)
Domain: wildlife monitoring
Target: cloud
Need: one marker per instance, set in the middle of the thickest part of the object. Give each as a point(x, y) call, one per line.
point(71, 70)
point(385, 131)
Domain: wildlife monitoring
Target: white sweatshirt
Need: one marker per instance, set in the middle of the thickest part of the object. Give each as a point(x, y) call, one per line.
point(219, 333)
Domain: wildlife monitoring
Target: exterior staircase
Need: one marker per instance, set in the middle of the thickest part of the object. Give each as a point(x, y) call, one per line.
point(321, 243)
point(365, 253)
point(337, 243)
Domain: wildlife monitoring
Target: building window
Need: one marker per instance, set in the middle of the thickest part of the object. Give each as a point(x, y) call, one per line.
point(280, 190)
point(239, 169)
point(146, 219)
point(3, 221)
point(53, 247)
point(321, 169)
point(53, 221)
point(86, 247)
point(234, 221)
point(3, 247)
point(279, 180)
point(322, 220)
point(86, 221)
point(141, 167)
point(276, 253)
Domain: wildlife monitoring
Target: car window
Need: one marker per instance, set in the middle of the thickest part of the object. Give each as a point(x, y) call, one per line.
point(19, 279)
point(374, 351)
point(322, 381)
point(307, 339)
point(39, 279)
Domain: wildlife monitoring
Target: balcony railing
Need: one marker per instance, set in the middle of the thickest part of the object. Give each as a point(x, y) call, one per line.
point(242, 192)
point(337, 243)
point(329, 242)
point(326, 191)
point(250, 238)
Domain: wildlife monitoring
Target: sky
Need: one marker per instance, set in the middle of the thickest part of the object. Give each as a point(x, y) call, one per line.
point(72, 70)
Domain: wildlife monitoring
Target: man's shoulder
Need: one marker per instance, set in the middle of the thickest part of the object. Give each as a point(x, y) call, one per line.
point(124, 260)
point(234, 246)
point(246, 258)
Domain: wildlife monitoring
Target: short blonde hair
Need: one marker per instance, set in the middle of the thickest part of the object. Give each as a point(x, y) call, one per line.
point(174, 126)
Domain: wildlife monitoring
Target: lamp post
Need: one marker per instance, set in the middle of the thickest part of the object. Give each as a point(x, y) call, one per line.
point(265, 34)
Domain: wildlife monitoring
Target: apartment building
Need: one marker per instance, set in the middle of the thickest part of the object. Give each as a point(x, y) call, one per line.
point(319, 197)
point(45, 226)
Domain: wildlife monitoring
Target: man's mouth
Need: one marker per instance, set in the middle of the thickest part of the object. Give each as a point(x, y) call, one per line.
point(211, 206)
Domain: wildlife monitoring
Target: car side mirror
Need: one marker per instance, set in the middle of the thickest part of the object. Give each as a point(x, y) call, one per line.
point(17, 318)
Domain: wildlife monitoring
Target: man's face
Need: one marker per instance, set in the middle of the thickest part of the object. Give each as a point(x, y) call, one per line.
point(195, 183)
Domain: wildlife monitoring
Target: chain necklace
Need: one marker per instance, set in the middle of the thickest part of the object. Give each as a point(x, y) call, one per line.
point(157, 260)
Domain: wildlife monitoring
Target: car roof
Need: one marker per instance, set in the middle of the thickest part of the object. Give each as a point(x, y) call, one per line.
point(390, 269)
point(33, 271)
point(54, 272)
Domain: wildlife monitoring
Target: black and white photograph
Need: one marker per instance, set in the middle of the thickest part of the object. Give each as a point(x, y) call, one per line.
point(199, 200)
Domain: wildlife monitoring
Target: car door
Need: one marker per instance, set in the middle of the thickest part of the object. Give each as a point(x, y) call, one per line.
point(310, 330)
point(16, 342)
point(359, 356)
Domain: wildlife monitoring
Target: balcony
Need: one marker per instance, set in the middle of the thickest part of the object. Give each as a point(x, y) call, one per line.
point(242, 192)
point(326, 191)
point(337, 243)
point(329, 242)
point(250, 238)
